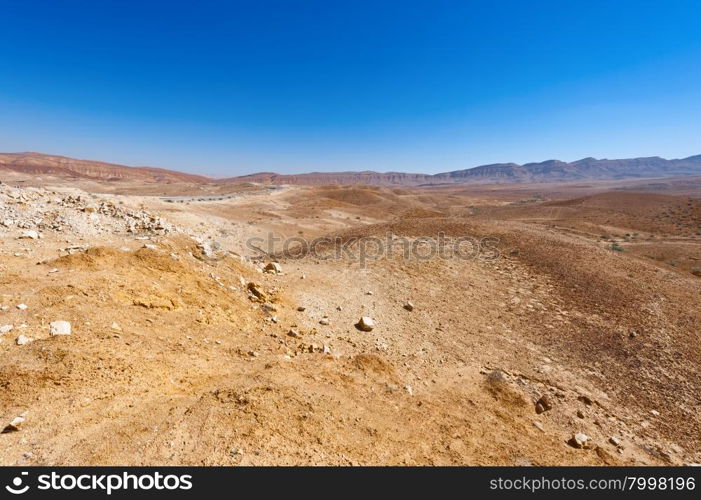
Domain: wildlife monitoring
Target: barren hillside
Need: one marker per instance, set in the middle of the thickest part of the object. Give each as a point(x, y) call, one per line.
point(184, 350)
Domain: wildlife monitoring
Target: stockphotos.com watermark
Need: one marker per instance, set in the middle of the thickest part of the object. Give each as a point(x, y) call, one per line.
point(364, 249)
point(106, 483)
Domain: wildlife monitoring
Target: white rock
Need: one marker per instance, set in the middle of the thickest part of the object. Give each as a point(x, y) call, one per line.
point(366, 324)
point(580, 440)
point(409, 306)
point(5, 328)
point(21, 340)
point(21, 307)
point(14, 425)
point(324, 321)
point(59, 328)
point(29, 234)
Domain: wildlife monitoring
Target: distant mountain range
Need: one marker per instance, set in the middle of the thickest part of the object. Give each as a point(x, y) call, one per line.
point(547, 171)
point(586, 169)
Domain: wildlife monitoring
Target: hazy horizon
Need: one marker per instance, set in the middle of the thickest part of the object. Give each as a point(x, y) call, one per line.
point(334, 171)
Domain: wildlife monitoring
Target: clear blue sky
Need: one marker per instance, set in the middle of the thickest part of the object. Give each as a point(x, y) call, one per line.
point(228, 88)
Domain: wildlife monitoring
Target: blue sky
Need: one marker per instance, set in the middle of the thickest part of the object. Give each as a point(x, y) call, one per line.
point(226, 88)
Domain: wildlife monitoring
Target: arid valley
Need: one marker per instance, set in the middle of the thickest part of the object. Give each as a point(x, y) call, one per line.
point(140, 324)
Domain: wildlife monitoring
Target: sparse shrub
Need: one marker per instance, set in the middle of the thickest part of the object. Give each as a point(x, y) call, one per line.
point(616, 247)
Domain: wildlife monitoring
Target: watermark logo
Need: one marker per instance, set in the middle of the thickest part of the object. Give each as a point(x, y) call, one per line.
point(17, 488)
point(365, 249)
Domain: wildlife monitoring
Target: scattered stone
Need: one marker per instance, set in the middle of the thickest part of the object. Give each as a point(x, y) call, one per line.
point(59, 328)
point(586, 400)
point(366, 324)
point(256, 291)
point(339, 308)
point(409, 389)
point(544, 404)
point(22, 340)
point(294, 333)
point(29, 235)
point(267, 306)
point(580, 441)
point(324, 321)
point(13, 426)
point(633, 334)
point(22, 307)
point(409, 306)
point(52, 271)
point(211, 250)
point(655, 413)
point(150, 246)
point(301, 308)
point(273, 268)
point(325, 349)
point(539, 426)
point(615, 441)
point(580, 414)
point(115, 326)
point(368, 293)
point(5, 328)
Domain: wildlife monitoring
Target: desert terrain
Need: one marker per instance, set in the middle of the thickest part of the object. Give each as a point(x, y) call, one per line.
point(569, 336)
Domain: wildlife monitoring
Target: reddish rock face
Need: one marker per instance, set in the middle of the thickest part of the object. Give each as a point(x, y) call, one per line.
point(37, 163)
